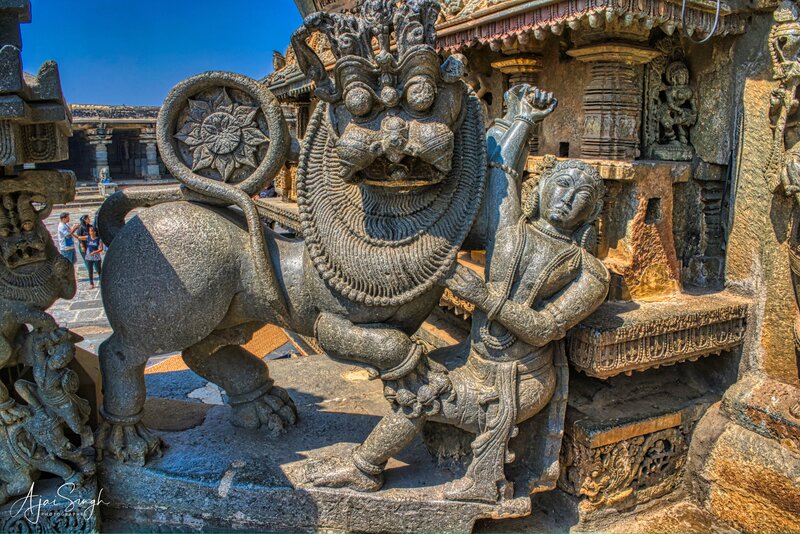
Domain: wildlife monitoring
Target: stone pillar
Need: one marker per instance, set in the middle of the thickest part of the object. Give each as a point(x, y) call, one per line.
point(100, 138)
point(522, 69)
point(148, 137)
point(301, 118)
point(612, 101)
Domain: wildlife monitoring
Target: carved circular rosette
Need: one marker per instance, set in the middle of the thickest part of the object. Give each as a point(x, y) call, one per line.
point(222, 127)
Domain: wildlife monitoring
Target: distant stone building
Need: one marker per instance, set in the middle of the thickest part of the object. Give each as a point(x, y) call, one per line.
point(121, 139)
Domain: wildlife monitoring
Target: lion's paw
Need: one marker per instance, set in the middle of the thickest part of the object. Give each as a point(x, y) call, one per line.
point(273, 410)
point(132, 442)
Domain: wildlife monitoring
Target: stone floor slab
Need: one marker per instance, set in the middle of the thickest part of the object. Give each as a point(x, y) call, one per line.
point(217, 476)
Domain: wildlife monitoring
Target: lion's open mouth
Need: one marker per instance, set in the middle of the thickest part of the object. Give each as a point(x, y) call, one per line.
point(406, 173)
point(23, 253)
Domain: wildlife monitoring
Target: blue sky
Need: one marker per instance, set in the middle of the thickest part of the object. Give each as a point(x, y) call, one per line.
point(133, 51)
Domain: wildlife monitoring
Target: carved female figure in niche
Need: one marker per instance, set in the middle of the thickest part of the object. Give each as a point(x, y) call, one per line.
point(542, 280)
point(678, 111)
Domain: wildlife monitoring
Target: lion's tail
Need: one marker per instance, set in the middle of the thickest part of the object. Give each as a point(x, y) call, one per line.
point(111, 215)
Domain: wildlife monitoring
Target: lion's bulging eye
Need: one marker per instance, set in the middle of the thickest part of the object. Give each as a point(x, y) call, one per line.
point(420, 95)
point(358, 101)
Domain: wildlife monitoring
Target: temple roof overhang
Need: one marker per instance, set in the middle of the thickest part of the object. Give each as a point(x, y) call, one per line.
point(501, 24)
point(485, 22)
point(119, 115)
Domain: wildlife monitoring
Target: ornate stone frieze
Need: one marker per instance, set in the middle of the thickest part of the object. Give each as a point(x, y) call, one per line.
point(470, 22)
point(623, 473)
point(621, 338)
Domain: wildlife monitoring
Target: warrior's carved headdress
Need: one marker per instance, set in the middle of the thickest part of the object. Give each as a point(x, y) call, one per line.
point(366, 71)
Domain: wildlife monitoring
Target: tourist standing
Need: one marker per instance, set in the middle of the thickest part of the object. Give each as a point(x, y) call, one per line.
point(66, 238)
point(82, 234)
point(94, 255)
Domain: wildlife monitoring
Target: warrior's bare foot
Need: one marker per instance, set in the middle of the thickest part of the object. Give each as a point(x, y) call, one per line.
point(272, 409)
point(127, 442)
point(468, 489)
point(341, 472)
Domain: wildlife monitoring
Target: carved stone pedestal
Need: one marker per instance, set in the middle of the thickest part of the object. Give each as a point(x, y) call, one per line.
point(623, 337)
point(216, 476)
point(626, 439)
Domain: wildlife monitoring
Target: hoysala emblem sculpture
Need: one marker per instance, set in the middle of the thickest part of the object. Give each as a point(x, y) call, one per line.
point(392, 181)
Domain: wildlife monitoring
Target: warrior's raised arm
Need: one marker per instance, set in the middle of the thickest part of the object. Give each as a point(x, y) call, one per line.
point(508, 148)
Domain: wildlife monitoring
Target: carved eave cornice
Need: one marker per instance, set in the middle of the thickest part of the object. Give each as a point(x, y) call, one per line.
point(623, 337)
point(504, 23)
point(34, 118)
point(290, 85)
point(286, 214)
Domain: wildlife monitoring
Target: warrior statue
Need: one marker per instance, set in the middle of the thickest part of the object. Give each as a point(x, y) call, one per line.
point(542, 279)
point(390, 179)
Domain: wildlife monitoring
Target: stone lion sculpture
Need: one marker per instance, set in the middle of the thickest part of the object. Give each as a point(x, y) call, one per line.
point(391, 178)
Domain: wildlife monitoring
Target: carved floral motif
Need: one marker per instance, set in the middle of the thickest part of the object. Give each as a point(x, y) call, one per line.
point(222, 134)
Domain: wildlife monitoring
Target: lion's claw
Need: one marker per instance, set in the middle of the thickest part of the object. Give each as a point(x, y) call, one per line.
point(127, 442)
point(273, 410)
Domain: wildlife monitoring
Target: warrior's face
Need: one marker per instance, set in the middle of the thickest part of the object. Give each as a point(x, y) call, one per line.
point(568, 199)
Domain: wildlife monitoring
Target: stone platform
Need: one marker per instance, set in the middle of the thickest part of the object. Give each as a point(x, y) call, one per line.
point(214, 476)
point(51, 505)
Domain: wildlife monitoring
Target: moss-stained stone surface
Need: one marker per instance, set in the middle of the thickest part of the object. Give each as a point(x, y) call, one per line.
point(748, 481)
point(757, 259)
